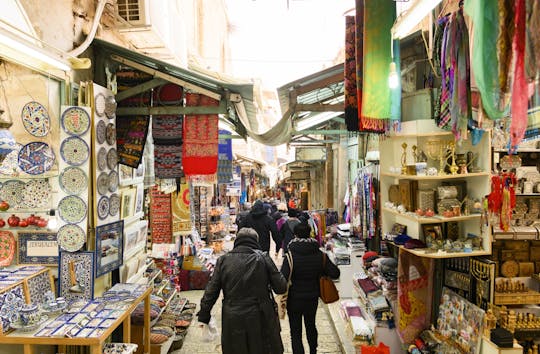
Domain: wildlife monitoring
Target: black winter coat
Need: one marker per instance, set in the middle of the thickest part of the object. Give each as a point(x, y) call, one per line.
point(263, 224)
point(250, 324)
point(307, 267)
point(287, 233)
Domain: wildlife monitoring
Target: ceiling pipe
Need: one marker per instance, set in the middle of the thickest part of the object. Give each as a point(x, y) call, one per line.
point(97, 17)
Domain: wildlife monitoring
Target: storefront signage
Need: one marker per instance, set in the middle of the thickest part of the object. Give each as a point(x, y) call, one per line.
point(310, 154)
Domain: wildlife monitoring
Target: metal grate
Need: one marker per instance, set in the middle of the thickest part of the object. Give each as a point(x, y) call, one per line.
point(129, 10)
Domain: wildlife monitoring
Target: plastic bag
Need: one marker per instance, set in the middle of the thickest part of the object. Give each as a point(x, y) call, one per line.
point(210, 331)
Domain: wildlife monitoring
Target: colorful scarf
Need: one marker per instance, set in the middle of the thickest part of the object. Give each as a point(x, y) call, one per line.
point(447, 76)
point(506, 33)
point(359, 55)
point(350, 89)
point(379, 16)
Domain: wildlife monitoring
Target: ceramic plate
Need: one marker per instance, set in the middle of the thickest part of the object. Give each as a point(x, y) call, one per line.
point(110, 107)
point(10, 165)
point(112, 159)
point(74, 151)
point(71, 237)
point(37, 193)
point(73, 180)
point(102, 159)
point(99, 103)
point(12, 192)
point(7, 248)
point(113, 181)
point(114, 204)
point(72, 209)
point(110, 134)
point(103, 208)
point(75, 121)
point(36, 119)
point(101, 132)
point(103, 183)
point(36, 158)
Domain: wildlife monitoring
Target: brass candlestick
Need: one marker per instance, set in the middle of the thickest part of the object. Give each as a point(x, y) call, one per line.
point(453, 167)
point(437, 150)
point(404, 159)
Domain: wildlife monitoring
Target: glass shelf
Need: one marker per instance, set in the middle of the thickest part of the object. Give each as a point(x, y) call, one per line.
point(423, 252)
point(433, 219)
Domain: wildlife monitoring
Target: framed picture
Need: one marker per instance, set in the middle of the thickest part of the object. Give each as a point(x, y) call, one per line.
point(125, 177)
point(138, 173)
point(143, 231)
point(139, 198)
point(130, 239)
point(76, 275)
point(109, 247)
point(432, 230)
point(127, 204)
point(37, 248)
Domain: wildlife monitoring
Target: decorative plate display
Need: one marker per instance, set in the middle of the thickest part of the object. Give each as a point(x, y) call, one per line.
point(101, 132)
point(113, 181)
point(114, 204)
point(74, 151)
point(71, 237)
point(102, 159)
point(36, 119)
point(73, 180)
point(103, 183)
point(10, 165)
point(99, 103)
point(75, 121)
point(36, 194)
point(72, 209)
point(12, 192)
point(110, 134)
point(7, 248)
point(36, 158)
point(103, 207)
point(110, 107)
point(510, 269)
point(112, 159)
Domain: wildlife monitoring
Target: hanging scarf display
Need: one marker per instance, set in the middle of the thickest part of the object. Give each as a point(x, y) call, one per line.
point(359, 56)
point(363, 201)
point(519, 87)
point(379, 16)
point(200, 148)
point(395, 93)
point(504, 42)
point(351, 101)
point(447, 76)
point(534, 24)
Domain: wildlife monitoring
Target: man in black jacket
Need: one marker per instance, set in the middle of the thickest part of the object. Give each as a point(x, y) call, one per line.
point(259, 220)
point(303, 298)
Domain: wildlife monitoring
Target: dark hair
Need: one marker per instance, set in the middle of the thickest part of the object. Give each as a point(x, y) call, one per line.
point(293, 213)
point(302, 230)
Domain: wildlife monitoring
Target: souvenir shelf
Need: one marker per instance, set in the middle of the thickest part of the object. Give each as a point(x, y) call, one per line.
point(401, 151)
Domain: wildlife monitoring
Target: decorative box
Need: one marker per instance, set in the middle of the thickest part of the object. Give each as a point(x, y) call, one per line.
point(520, 256)
point(526, 233)
point(526, 269)
point(461, 186)
point(447, 205)
point(500, 234)
point(426, 199)
point(447, 192)
point(407, 190)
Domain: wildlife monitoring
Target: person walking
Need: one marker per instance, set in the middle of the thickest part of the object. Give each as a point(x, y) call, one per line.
point(303, 296)
point(287, 229)
point(249, 322)
point(259, 220)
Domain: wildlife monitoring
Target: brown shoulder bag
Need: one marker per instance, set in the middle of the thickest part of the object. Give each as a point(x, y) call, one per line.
point(328, 291)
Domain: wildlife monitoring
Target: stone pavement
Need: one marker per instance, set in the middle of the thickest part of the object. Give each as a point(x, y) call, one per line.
point(328, 339)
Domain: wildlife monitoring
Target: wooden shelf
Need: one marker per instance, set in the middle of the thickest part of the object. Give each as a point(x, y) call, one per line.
point(518, 150)
point(431, 220)
point(422, 252)
point(436, 178)
point(527, 194)
point(419, 135)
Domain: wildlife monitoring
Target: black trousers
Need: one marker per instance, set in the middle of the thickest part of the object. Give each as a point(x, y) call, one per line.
point(296, 309)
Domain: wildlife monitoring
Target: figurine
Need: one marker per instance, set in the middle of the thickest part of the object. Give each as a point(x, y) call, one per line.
point(511, 321)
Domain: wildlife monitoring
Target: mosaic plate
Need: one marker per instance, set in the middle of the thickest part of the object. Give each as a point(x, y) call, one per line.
point(75, 121)
point(72, 209)
point(103, 208)
point(102, 159)
point(36, 158)
point(12, 192)
point(10, 165)
point(101, 132)
point(103, 183)
point(114, 204)
point(99, 103)
point(71, 237)
point(112, 159)
point(110, 107)
point(74, 151)
point(110, 134)
point(7, 248)
point(73, 180)
point(113, 181)
point(36, 119)
point(37, 193)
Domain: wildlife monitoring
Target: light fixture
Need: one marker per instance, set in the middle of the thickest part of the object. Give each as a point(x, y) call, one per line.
point(393, 77)
point(407, 21)
point(53, 222)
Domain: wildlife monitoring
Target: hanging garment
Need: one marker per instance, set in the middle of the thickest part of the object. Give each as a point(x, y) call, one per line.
point(447, 77)
point(504, 42)
point(351, 101)
point(359, 56)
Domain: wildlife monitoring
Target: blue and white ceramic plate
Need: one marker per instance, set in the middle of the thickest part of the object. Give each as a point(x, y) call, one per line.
point(114, 204)
point(71, 237)
point(74, 151)
point(103, 207)
point(36, 158)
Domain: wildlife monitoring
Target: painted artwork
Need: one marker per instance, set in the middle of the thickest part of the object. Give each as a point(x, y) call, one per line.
point(76, 276)
point(109, 247)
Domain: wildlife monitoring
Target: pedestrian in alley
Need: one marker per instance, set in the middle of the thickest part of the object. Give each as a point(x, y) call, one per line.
point(246, 207)
point(249, 323)
point(303, 297)
point(265, 226)
point(287, 230)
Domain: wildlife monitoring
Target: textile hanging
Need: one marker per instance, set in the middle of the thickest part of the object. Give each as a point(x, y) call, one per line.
point(395, 93)
point(379, 16)
point(225, 166)
point(415, 293)
point(168, 161)
point(359, 55)
point(131, 132)
point(447, 75)
point(484, 61)
point(350, 90)
point(149, 159)
point(200, 145)
point(160, 216)
point(167, 128)
point(534, 34)
point(504, 42)
point(181, 222)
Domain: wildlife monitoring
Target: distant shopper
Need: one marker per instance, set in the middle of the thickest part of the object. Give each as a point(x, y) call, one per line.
point(259, 220)
point(303, 297)
point(287, 230)
point(246, 207)
point(249, 322)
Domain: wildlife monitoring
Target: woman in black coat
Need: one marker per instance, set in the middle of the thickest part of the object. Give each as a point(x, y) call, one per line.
point(249, 321)
point(303, 299)
point(259, 220)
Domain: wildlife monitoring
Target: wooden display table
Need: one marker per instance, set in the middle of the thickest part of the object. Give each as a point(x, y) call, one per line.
point(28, 341)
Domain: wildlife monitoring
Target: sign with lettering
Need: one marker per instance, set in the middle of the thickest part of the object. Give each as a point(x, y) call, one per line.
point(38, 248)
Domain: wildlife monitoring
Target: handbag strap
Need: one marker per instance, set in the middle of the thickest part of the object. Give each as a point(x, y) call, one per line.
point(290, 260)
